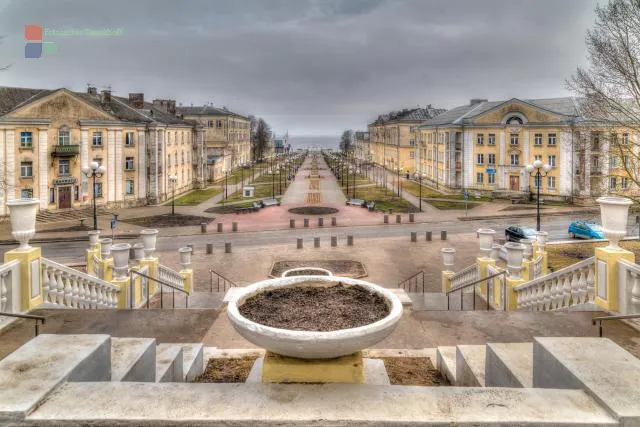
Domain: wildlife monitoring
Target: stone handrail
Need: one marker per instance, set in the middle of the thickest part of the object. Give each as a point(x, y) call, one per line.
point(495, 301)
point(569, 286)
point(66, 287)
point(628, 287)
point(144, 285)
point(97, 267)
point(170, 276)
point(537, 267)
point(466, 275)
point(9, 273)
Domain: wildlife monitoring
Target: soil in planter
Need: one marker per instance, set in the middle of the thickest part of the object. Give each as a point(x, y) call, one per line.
point(413, 371)
point(317, 309)
point(234, 370)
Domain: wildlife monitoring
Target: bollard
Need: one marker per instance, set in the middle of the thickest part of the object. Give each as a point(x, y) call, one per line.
point(292, 223)
point(320, 222)
point(227, 248)
point(219, 227)
point(350, 240)
point(334, 241)
point(428, 236)
point(414, 236)
point(299, 243)
point(386, 219)
point(316, 242)
point(334, 221)
point(192, 251)
point(306, 222)
point(411, 217)
point(209, 248)
point(398, 219)
point(443, 235)
point(203, 227)
point(234, 226)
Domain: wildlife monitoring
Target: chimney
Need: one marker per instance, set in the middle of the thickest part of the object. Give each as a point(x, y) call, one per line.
point(168, 105)
point(475, 101)
point(106, 97)
point(136, 100)
point(171, 106)
point(91, 90)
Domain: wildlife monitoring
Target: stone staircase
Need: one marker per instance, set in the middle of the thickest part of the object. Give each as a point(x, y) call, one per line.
point(100, 380)
point(45, 216)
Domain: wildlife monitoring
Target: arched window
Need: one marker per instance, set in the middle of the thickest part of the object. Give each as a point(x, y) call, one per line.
point(513, 120)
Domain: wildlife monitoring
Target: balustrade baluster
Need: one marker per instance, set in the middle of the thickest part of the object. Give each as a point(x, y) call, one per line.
point(591, 284)
point(75, 291)
point(566, 291)
point(582, 284)
point(3, 291)
point(635, 291)
point(575, 288)
point(540, 300)
point(546, 296)
point(60, 282)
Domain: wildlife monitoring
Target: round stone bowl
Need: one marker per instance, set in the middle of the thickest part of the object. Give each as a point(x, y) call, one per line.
point(312, 344)
point(317, 271)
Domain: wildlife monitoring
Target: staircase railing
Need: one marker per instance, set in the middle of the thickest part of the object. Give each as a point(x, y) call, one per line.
point(569, 286)
point(162, 283)
point(97, 267)
point(9, 274)
point(467, 274)
point(27, 316)
point(170, 276)
point(220, 279)
point(537, 266)
point(606, 318)
point(476, 282)
point(414, 280)
point(67, 287)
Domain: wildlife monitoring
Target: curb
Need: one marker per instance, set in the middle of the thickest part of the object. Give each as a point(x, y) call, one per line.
point(522, 215)
point(65, 239)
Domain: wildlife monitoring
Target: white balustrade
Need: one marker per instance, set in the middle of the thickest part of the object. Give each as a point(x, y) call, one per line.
point(67, 287)
point(466, 275)
point(9, 275)
point(495, 303)
point(172, 277)
point(97, 267)
point(628, 287)
point(570, 286)
point(537, 267)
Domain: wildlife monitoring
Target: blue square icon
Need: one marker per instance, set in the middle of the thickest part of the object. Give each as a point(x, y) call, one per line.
point(33, 50)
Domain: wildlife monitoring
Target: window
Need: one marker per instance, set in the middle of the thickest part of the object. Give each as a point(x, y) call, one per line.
point(129, 186)
point(219, 124)
point(26, 170)
point(551, 182)
point(479, 178)
point(625, 138)
point(492, 139)
point(412, 142)
point(98, 189)
point(552, 139)
point(97, 139)
point(480, 139)
point(595, 162)
point(613, 181)
point(26, 139)
point(412, 155)
point(63, 137)
point(514, 120)
point(613, 162)
point(537, 157)
point(129, 164)
point(182, 160)
point(491, 178)
point(625, 161)
point(492, 159)
point(515, 159)
point(76, 193)
point(552, 161)
point(625, 183)
point(209, 123)
point(515, 139)
point(52, 195)
point(63, 168)
point(538, 139)
point(480, 159)
point(537, 181)
point(26, 193)
point(128, 139)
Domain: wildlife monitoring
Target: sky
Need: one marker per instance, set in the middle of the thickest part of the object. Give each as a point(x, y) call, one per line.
point(312, 67)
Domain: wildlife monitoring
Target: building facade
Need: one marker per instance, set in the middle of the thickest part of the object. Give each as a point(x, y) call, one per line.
point(362, 149)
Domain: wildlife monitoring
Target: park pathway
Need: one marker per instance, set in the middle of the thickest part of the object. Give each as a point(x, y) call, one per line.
point(303, 189)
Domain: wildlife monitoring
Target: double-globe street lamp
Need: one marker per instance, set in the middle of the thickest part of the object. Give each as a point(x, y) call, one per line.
point(94, 170)
point(538, 170)
point(419, 177)
point(173, 179)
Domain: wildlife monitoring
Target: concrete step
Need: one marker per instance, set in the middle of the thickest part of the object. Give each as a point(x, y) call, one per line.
point(33, 371)
point(470, 362)
point(193, 360)
point(509, 365)
point(133, 359)
point(600, 367)
point(169, 363)
point(446, 363)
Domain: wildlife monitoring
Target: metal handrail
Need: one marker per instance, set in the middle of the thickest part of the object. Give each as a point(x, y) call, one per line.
point(224, 279)
point(408, 280)
point(162, 283)
point(618, 317)
point(27, 316)
point(475, 282)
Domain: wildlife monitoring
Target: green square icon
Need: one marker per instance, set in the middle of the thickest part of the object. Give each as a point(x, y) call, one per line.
point(49, 48)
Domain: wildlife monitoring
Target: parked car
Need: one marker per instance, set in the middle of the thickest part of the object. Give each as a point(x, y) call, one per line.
point(515, 233)
point(585, 230)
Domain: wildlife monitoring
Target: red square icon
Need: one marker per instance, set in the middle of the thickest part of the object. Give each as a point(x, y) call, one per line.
point(33, 32)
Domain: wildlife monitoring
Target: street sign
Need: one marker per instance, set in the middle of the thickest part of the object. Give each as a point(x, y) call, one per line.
point(466, 195)
point(491, 170)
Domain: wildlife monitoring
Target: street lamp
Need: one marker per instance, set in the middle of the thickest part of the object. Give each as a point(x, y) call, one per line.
point(280, 179)
point(94, 170)
point(419, 177)
point(273, 185)
point(173, 179)
point(226, 194)
point(538, 170)
point(399, 170)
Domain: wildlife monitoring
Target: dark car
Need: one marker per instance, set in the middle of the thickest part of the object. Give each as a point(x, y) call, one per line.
point(515, 233)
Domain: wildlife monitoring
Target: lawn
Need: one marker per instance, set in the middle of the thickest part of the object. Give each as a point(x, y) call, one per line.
point(261, 191)
point(451, 204)
point(384, 199)
point(427, 192)
point(197, 196)
point(562, 255)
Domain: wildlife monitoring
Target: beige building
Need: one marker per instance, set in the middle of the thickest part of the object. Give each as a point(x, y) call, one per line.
point(362, 147)
point(227, 137)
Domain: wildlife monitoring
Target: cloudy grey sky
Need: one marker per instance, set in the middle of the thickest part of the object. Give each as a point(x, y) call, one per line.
point(309, 66)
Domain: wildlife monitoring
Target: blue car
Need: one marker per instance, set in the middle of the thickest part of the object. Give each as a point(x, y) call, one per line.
point(585, 230)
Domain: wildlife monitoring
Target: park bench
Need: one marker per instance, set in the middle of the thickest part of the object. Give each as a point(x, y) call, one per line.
point(270, 202)
point(371, 206)
point(256, 206)
point(355, 202)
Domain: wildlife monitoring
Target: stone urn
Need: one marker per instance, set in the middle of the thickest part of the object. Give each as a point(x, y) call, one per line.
point(614, 212)
point(447, 257)
point(149, 237)
point(23, 221)
point(316, 271)
point(313, 344)
point(138, 251)
point(486, 236)
point(120, 253)
point(515, 253)
point(185, 256)
point(542, 237)
point(105, 247)
point(94, 237)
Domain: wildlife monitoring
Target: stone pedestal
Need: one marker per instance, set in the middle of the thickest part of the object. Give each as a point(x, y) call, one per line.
point(283, 369)
point(607, 275)
point(446, 280)
point(30, 276)
point(483, 263)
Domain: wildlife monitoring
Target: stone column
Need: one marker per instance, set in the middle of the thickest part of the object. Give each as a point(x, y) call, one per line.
point(43, 168)
point(142, 165)
point(84, 162)
point(119, 162)
point(502, 153)
point(10, 164)
point(111, 166)
point(3, 170)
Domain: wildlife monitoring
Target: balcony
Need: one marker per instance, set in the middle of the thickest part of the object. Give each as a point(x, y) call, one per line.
point(65, 150)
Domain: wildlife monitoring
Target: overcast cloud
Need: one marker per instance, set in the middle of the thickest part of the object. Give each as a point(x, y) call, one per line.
point(312, 67)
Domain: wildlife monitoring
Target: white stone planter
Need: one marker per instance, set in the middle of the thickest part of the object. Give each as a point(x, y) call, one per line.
point(320, 271)
point(94, 237)
point(313, 345)
point(185, 257)
point(447, 257)
point(514, 258)
point(149, 237)
point(495, 251)
point(528, 248)
point(138, 251)
point(486, 240)
point(120, 253)
point(105, 247)
point(614, 212)
point(23, 221)
point(542, 237)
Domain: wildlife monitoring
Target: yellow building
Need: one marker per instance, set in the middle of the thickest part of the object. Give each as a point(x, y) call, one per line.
point(486, 146)
point(391, 140)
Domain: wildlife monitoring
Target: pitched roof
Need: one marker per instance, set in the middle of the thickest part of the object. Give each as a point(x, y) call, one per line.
point(207, 110)
point(13, 97)
point(414, 114)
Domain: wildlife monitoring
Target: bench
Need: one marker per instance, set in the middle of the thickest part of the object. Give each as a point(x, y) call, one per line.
point(256, 206)
point(371, 206)
point(355, 202)
point(270, 202)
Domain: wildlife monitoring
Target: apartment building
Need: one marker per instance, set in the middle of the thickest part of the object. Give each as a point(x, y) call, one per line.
point(362, 146)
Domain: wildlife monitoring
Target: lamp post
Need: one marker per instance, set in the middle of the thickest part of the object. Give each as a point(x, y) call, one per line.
point(399, 170)
point(273, 185)
point(173, 179)
point(242, 166)
point(94, 170)
point(538, 170)
point(226, 194)
point(419, 177)
point(280, 179)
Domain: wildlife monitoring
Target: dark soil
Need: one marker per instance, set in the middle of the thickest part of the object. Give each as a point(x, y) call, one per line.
point(168, 220)
point(227, 370)
point(318, 309)
point(344, 268)
point(413, 371)
point(313, 210)
point(73, 228)
point(306, 273)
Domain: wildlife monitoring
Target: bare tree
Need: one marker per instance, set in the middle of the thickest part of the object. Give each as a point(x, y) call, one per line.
point(261, 140)
point(609, 92)
point(345, 141)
